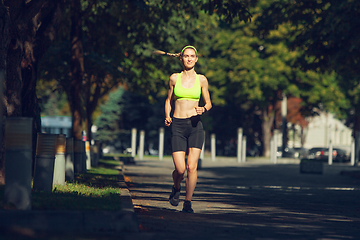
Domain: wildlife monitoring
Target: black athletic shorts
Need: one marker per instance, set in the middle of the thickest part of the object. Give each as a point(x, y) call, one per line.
point(186, 133)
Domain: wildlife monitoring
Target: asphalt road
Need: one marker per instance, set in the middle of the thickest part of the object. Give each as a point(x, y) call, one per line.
point(253, 200)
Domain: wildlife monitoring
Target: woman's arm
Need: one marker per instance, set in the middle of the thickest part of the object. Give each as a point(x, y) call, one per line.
point(205, 94)
point(169, 99)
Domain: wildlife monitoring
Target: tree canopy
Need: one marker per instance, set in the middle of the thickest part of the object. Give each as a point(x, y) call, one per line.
point(119, 50)
point(252, 72)
point(327, 34)
point(250, 64)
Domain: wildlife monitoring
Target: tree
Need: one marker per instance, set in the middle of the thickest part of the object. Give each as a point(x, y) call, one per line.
point(122, 112)
point(296, 115)
point(109, 122)
point(251, 72)
point(254, 72)
point(52, 101)
point(326, 32)
point(77, 71)
point(27, 30)
point(119, 51)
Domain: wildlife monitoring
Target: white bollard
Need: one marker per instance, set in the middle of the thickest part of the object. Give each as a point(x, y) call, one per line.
point(213, 146)
point(59, 166)
point(142, 143)
point(202, 154)
point(88, 155)
point(161, 143)
point(352, 152)
point(239, 145)
point(243, 149)
point(272, 149)
point(133, 142)
point(275, 146)
point(330, 157)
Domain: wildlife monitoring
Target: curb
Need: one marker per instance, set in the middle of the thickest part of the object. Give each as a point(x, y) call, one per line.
point(68, 222)
point(126, 200)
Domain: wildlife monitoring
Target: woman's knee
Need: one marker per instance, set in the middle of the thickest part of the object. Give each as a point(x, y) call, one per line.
point(180, 172)
point(191, 168)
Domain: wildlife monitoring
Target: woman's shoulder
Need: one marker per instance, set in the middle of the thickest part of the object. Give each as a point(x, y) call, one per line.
point(173, 77)
point(202, 78)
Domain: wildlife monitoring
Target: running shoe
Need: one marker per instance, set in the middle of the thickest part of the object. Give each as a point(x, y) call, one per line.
point(174, 198)
point(187, 207)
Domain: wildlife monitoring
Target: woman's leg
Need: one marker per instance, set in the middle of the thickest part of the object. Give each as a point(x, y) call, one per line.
point(179, 172)
point(191, 167)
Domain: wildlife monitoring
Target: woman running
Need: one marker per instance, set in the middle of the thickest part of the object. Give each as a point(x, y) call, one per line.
point(187, 133)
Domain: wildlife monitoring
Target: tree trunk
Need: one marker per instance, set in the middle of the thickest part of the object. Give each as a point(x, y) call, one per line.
point(29, 102)
point(88, 127)
point(356, 132)
point(294, 134)
point(268, 116)
point(90, 108)
point(4, 43)
point(13, 85)
point(303, 135)
point(92, 100)
point(77, 70)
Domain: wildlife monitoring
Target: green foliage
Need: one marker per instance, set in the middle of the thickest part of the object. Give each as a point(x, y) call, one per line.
point(253, 68)
point(123, 111)
point(228, 9)
point(53, 102)
point(249, 64)
point(248, 68)
point(120, 36)
point(326, 34)
point(249, 72)
point(108, 122)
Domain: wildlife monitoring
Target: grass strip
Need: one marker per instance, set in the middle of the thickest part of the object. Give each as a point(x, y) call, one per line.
point(97, 189)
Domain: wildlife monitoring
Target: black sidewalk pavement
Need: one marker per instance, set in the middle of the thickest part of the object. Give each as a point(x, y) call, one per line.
point(252, 200)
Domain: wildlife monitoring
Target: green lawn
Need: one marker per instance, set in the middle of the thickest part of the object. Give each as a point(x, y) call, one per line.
point(97, 189)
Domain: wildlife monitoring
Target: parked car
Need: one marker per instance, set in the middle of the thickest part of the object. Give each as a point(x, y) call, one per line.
point(339, 155)
point(301, 152)
point(288, 153)
point(318, 153)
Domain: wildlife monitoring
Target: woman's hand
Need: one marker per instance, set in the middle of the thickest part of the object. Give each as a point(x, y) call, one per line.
point(168, 121)
point(199, 110)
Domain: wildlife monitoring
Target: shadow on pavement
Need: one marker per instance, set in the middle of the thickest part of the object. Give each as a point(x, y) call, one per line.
point(248, 202)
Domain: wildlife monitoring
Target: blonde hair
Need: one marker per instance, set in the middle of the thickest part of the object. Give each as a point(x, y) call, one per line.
point(159, 52)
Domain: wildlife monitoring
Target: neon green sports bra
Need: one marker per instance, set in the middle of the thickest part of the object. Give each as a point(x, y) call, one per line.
point(182, 93)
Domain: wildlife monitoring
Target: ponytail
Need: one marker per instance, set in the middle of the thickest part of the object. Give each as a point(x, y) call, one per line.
point(159, 52)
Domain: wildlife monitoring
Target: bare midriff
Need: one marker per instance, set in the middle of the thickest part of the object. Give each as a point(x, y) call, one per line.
point(185, 108)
